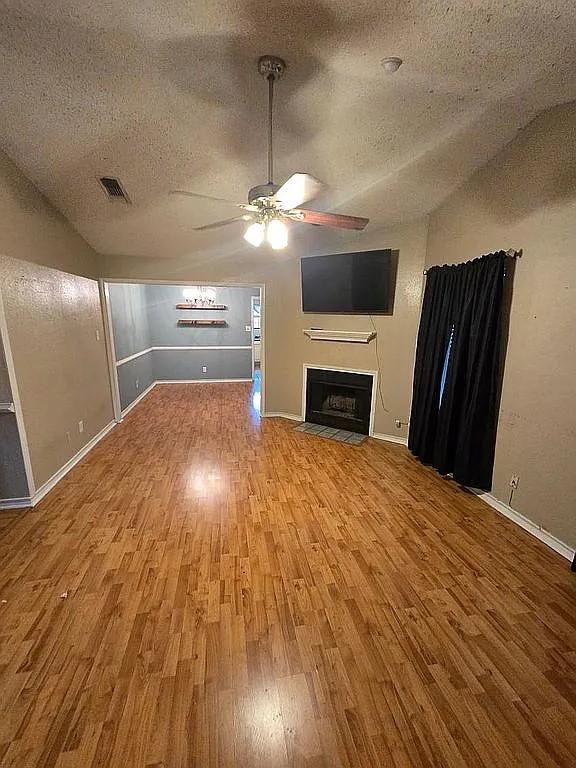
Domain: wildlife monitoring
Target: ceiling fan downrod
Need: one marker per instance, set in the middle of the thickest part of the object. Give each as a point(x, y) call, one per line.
point(271, 68)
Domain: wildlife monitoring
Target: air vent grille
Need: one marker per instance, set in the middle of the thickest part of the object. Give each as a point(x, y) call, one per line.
point(114, 188)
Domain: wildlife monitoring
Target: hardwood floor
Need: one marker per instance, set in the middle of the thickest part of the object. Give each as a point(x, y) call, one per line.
point(245, 595)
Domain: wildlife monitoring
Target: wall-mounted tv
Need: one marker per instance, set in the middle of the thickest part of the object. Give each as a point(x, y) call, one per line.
point(359, 283)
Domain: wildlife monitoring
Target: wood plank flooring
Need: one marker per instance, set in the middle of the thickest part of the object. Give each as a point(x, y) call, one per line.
point(240, 594)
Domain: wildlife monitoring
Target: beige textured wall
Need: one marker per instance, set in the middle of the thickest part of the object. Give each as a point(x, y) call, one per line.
point(286, 346)
point(52, 319)
point(33, 230)
point(61, 367)
point(526, 198)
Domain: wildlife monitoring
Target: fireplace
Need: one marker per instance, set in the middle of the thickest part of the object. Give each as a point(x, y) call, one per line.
point(339, 399)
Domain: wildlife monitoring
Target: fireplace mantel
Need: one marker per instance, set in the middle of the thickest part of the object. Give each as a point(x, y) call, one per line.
point(358, 337)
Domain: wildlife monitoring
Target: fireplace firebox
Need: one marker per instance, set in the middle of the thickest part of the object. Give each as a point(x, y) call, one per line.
point(339, 399)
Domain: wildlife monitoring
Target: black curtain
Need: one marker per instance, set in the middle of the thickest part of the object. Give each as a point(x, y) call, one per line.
point(457, 373)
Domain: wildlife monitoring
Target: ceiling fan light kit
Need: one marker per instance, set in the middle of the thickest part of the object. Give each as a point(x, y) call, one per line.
point(277, 234)
point(270, 206)
point(255, 234)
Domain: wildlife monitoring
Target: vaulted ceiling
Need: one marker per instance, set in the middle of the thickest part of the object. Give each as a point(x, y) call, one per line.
point(164, 94)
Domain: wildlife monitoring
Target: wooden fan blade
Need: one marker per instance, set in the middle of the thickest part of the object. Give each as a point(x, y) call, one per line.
point(223, 223)
point(337, 220)
point(299, 188)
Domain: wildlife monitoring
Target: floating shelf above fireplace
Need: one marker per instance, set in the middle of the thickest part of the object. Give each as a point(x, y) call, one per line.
point(358, 337)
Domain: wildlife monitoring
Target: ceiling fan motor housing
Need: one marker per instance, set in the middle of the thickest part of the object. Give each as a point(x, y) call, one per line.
point(262, 191)
point(271, 66)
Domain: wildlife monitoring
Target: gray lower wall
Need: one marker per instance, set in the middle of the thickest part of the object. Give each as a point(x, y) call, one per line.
point(135, 376)
point(170, 365)
point(13, 482)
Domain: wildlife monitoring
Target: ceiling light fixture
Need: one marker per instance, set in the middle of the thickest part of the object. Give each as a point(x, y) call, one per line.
point(255, 234)
point(277, 234)
point(391, 64)
point(199, 295)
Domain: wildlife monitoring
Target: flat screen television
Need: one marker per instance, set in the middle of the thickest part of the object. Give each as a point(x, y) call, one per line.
point(348, 283)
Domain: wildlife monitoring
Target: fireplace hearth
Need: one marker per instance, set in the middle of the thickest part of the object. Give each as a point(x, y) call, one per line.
point(339, 399)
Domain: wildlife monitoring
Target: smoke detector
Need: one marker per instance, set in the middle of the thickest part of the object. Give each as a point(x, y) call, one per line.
point(391, 64)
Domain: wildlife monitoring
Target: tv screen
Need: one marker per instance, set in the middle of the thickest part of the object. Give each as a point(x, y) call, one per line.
point(348, 283)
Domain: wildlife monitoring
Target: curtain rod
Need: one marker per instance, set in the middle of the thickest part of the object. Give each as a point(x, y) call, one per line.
point(511, 252)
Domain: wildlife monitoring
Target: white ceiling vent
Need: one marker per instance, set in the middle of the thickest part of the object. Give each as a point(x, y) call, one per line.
point(114, 189)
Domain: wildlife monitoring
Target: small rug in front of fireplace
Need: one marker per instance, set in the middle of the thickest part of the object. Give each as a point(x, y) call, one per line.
point(341, 435)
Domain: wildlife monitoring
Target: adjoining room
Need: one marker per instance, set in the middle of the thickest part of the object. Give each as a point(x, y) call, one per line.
point(287, 363)
point(180, 333)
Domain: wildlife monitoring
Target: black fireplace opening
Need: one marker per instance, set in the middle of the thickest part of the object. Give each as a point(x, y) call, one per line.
point(339, 399)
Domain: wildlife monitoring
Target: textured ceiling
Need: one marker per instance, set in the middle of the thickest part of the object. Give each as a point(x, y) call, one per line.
point(164, 94)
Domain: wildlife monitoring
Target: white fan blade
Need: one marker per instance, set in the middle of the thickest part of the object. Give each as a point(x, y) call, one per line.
point(299, 188)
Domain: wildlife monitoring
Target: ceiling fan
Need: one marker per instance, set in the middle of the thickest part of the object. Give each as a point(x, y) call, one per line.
point(270, 206)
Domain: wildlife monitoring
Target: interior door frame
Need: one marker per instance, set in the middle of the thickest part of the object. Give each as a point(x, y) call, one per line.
point(253, 300)
point(18, 412)
point(104, 282)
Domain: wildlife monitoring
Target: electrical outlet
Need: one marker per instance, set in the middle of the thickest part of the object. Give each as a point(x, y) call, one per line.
point(204, 369)
point(80, 426)
point(398, 424)
point(137, 382)
point(248, 328)
point(97, 334)
point(514, 480)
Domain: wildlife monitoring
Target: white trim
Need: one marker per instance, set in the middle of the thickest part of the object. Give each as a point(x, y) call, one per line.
point(213, 346)
point(57, 476)
point(374, 375)
point(175, 349)
point(110, 349)
point(133, 357)
point(390, 438)
point(7, 408)
point(262, 347)
point(535, 530)
point(282, 415)
point(357, 337)
point(135, 402)
point(18, 412)
point(21, 503)
point(187, 283)
point(200, 381)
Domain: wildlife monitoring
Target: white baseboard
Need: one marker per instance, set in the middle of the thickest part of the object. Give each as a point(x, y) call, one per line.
point(57, 476)
point(532, 528)
point(141, 396)
point(282, 415)
point(21, 503)
point(390, 438)
point(200, 381)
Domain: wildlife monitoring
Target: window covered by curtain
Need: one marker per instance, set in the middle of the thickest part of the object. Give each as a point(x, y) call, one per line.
point(457, 371)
